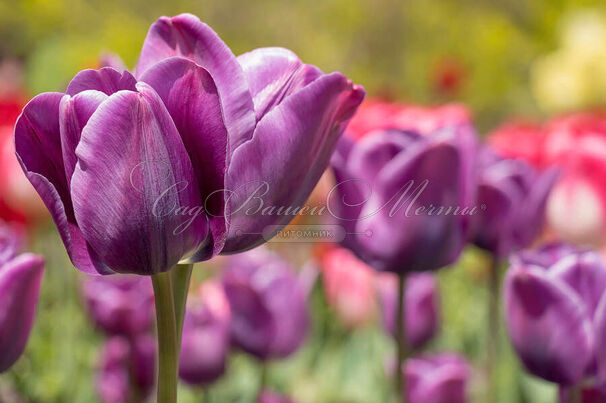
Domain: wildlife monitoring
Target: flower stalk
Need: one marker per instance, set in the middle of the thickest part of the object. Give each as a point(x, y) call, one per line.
point(168, 353)
point(401, 339)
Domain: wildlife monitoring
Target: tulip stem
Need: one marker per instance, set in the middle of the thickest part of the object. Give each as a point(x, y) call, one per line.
point(493, 327)
point(168, 357)
point(180, 277)
point(401, 339)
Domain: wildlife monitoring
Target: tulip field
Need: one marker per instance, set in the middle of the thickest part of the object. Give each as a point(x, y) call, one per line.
point(287, 202)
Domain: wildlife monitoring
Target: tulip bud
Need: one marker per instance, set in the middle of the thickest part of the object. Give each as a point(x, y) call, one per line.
point(205, 335)
point(19, 290)
point(268, 396)
point(422, 306)
point(120, 304)
point(440, 378)
point(269, 315)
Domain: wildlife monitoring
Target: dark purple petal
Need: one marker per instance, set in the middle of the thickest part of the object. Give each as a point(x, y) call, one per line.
point(19, 289)
point(107, 80)
point(134, 186)
point(38, 146)
point(548, 324)
point(191, 98)
point(74, 113)
point(441, 378)
point(273, 74)
point(185, 35)
point(302, 133)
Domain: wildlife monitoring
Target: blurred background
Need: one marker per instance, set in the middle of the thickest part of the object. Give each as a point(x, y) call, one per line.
point(506, 59)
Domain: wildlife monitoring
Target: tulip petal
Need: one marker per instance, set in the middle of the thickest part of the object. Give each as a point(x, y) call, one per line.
point(273, 74)
point(302, 133)
point(38, 146)
point(19, 289)
point(134, 186)
point(74, 113)
point(185, 35)
point(548, 325)
point(107, 80)
point(191, 98)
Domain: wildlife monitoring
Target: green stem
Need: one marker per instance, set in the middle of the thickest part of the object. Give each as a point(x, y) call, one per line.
point(180, 277)
point(401, 339)
point(262, 378)
point(168, 357)
point(493, 327)
point(575, 394)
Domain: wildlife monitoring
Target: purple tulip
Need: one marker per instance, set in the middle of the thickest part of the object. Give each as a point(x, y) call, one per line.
point(588, 395)
point(556, 314)
point(126, 370)
point(11, 240)
point(19, 290)
point(440, 378)
point(515, 196)
point(405, 198)
point(422, 304)
point(269, 315)
point(141, 173)
point(268, 396)
point(120, 305)
point(205, 336)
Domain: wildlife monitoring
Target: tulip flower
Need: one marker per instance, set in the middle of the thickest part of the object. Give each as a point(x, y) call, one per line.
point(120, 305)
point(585, 395)
point(20, 277)
point(515, 196)
point(440, 378)
point(169, 166)
point(269, 316)
point(126, 369)
point(422, 307)
point(556, 315)
point(205, 336)
point(349, 287)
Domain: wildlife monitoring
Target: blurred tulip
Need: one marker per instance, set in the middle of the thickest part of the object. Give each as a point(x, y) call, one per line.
point(120, 305)
point(588, 395)
point(405, 199)
point(576, 208)
point(269, 313)
point(136, 135)
point(268, 396)
point(205, 335)
point(349, 287)
point(126, 369)
point(515, 196)
point(375, 114)
point(11, 241)
point(441, 378)
point(422, 307)
point(552, 314)
point(20, 278)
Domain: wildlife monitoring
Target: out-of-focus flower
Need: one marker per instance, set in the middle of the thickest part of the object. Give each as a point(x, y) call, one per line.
point(440, 378)
point(269, 396)
point(205, 335)
point(121, 304)
point(20, 277)
point(107, 156)
point(515, 196)
point(404, 198)
point(571, 77)
point(575, 144)
point(448, 76)
point(556, 315)
point(421, 304)
point(375, 114)
point(349, 287)
point(269, 314)
point(126, 369)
